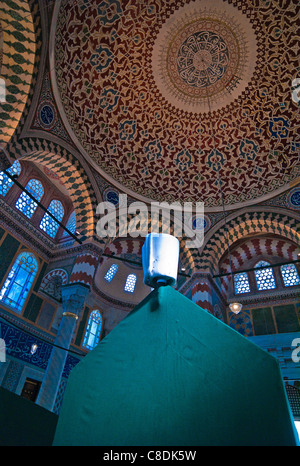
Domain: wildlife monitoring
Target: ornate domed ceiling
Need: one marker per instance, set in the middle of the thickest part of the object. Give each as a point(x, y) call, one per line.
point(169, 98)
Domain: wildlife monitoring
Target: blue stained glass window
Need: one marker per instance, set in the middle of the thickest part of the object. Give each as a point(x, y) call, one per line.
point(93, 330)
point(290, 275)
point(48, 224)
point(264, 278)
point(241, 283)
point(19, 280)
point(71, 225)
point(130, 283)
point(5, 182)
point(111, 272)
point(27, 205)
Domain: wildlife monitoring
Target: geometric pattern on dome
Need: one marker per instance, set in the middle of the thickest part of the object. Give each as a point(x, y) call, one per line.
point(202, 59)
point(201, 51)
point(145, 123)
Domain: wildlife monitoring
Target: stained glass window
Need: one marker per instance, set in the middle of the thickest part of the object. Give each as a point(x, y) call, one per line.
point(71, 224)
point(290, 275)
point(111, 272)
point(48, 224)
point(264, 278)
point(5, 182)
point(241, 283)
point(130, 283)
point(27, 205)
point(93, 330)
point(19, 280)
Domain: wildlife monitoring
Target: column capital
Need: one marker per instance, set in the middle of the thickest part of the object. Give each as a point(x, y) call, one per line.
point(70, 314)
point(73, 297)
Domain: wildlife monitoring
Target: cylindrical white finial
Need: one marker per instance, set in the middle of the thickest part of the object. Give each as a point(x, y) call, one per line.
point(160, 259)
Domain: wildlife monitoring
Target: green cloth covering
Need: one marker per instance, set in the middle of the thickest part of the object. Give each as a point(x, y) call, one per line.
point(171, 374)
point(23, 423)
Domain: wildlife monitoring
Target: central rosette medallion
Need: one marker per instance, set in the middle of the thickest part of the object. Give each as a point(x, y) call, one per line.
point(202, 59)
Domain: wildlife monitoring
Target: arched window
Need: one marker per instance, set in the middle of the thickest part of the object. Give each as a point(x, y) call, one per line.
point(19, 280)
point(264, 278)
point(48, 224)
point(130, 283)
point(290, 275)
point(241, 283)
point(5, 182)
point(71, 224)
point(93, 330)
point(111, 272)
point(27, 205)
